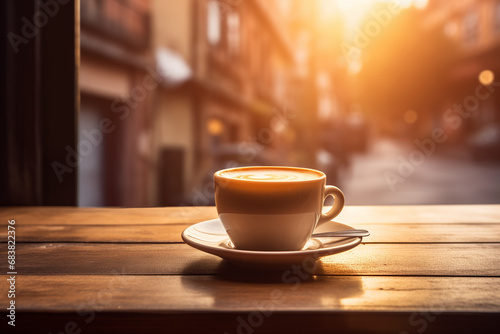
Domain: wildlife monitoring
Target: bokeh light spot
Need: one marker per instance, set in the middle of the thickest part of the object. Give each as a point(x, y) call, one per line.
point(486, 77)
point(215, 127)
point(410, 116)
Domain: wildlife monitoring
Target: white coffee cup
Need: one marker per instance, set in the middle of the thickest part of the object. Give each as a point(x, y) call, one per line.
point(273, 208)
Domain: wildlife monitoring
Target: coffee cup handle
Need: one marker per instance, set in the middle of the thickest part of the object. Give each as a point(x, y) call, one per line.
point(338, 204)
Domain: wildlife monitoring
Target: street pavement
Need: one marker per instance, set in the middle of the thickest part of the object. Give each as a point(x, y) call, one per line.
point(392, 173)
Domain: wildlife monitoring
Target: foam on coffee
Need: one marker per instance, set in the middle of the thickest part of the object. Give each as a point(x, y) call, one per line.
point(271, 174)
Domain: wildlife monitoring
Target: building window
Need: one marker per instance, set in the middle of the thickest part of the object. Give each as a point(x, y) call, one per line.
point(233, 32)
point(471, 28)
point(213, 22)
point(496, 18)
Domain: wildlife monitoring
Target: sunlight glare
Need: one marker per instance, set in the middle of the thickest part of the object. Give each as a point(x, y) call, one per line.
point(355, 67)
point(355, 11)
point(420, 4)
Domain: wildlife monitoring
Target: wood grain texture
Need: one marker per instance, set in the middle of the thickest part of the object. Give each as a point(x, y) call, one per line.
point(431, 269)
point(178, 259)
point(380, 233)
point(421, 214)
point(209, 293)
point(99, 233)
point(106, 216)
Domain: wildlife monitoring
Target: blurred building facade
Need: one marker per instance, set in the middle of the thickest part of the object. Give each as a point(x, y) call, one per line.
point(474, 27)
point(236, 106)
point(190, 87)
point(115, 93)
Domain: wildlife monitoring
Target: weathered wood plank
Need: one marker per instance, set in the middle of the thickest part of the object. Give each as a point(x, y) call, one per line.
point(176, 259)
point(210, 293)
point(380, 232)
point(99, 233)
point(372, 288)
point(422, 214)
point(106, 216)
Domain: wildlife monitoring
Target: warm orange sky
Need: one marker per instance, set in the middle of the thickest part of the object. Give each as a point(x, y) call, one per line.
point(354, 10)
point(353, 13)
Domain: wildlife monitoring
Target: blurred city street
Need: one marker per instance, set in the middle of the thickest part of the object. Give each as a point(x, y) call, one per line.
point(443, 178)
point(187, 88)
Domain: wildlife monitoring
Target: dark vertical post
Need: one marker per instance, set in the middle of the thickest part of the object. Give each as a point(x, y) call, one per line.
point(20, 141)
point(38, 100)
point(59, 103)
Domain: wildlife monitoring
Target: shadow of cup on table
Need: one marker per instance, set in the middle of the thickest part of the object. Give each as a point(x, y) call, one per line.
point(233, 287)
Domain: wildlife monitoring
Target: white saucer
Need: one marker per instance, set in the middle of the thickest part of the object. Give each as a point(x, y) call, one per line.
point(211, 237)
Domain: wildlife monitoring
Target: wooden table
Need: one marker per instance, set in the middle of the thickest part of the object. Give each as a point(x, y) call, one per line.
point(424, 269)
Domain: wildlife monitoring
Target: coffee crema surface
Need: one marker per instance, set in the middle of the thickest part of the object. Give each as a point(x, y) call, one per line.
point(272, 174)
